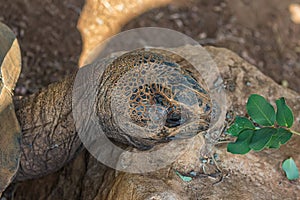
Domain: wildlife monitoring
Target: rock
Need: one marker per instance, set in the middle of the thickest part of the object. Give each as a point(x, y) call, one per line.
point(251, 176)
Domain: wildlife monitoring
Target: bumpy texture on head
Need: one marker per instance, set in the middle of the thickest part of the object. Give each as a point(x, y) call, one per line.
point(150, 96)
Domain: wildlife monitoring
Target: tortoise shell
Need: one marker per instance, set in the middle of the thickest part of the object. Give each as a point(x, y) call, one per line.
point(10, 67)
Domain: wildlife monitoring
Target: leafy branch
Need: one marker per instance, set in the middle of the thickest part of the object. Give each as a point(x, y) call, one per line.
point(265, 128)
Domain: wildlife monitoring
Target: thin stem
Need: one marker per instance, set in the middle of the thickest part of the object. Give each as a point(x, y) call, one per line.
point(294, 132)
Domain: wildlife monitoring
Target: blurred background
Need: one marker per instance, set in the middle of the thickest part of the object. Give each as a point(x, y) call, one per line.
point(265, 32)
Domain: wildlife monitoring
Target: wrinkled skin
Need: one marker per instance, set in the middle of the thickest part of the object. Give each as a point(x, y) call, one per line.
point(49, 138)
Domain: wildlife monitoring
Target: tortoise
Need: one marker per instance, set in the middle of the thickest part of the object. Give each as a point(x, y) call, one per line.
point(46, 126)
point(10, 130)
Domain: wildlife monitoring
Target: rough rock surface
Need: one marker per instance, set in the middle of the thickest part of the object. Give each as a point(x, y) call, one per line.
point(247, 177)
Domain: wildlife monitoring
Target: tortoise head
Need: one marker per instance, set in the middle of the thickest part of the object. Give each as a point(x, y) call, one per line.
point(150, 96)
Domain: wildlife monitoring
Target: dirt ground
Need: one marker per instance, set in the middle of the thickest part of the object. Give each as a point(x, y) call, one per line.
point(259, 31)
point(50, 43)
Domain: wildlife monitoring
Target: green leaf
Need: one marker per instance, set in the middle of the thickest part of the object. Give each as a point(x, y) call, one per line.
point(261, 138)
point(240, 124)
point(290, 169)
point(241, 145)
point(260, 110)
point(284, 115)
point(280, 137)
point(184, 178)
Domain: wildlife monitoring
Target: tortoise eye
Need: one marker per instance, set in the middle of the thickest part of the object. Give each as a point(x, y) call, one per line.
point(174, 119)
point(147, 104)
point(157, 106)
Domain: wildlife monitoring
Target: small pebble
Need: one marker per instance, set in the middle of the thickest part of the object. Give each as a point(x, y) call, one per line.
point(216, 156)
point(217, 8)
point(203, 160)
point(203, 35)
point(193, 173)
point(295, 13)
point(285, 83)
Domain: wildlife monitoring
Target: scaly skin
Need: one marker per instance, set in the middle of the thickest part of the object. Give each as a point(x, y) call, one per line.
point(49, 138)
point(131, 66)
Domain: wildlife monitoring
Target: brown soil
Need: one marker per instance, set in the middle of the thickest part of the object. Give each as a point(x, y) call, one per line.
point(49, 40)
point(259, 31)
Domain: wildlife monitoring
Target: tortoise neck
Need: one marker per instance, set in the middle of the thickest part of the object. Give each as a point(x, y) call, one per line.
point(49, 138)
